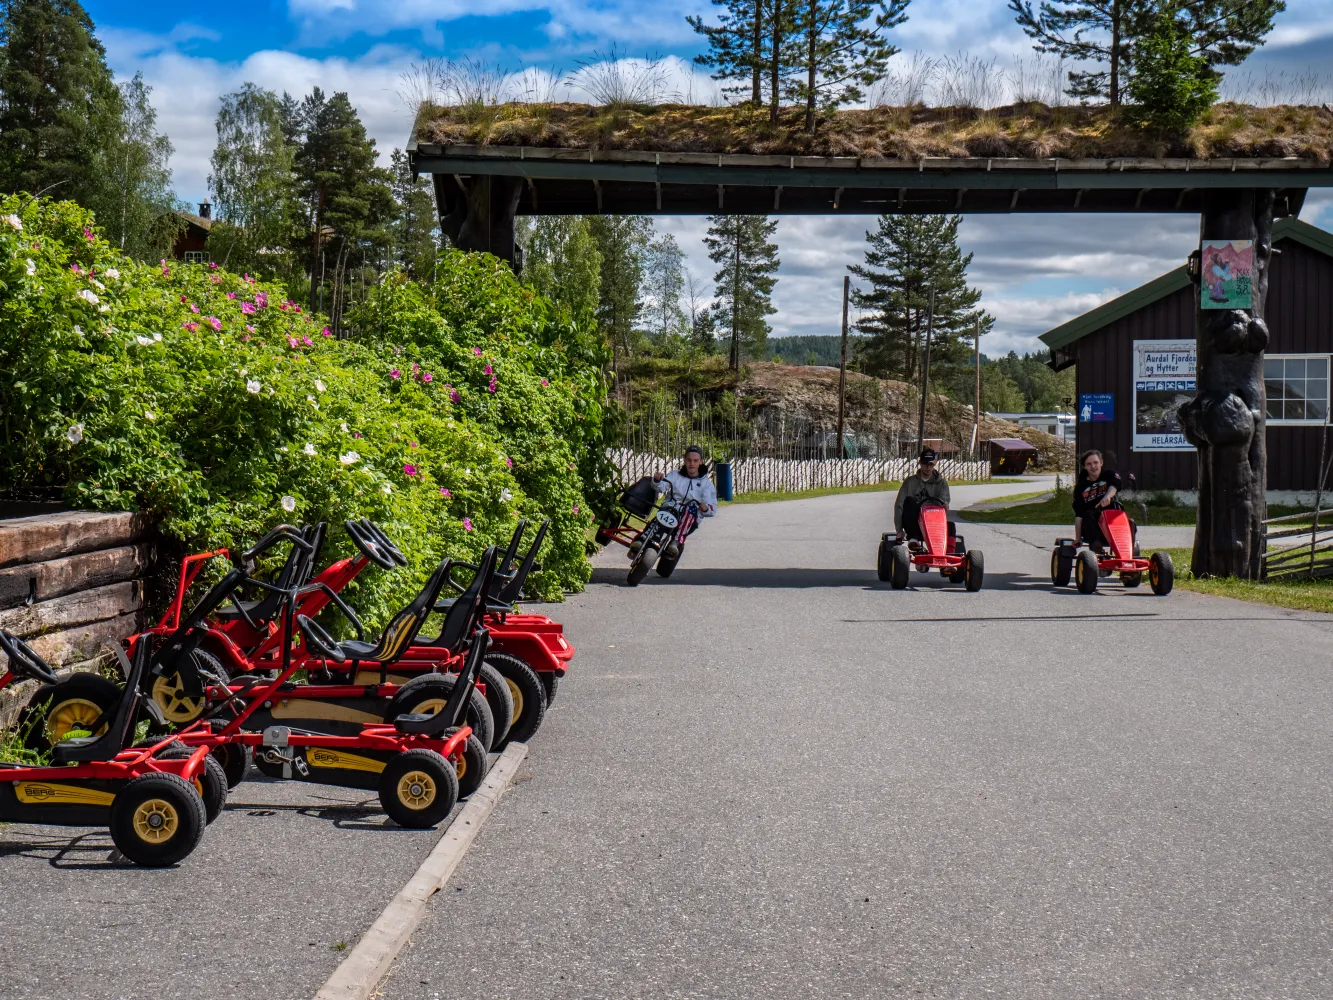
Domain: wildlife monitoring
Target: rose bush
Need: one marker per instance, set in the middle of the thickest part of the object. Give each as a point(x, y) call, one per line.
point(213, 402)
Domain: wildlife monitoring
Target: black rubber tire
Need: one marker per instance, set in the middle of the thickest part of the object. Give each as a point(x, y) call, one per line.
point(235, 761)
point(443, 795)
point(177, 711)
point(643, 562)
point(551, 682)
point(1062, 568)
point(212, 780)
point(437, 687)
point(529, 697)
point(80, 694)
point(1161, 573)
point(900, 566)
point(473, 767)
point(974, 569)
point(666, 565)
point(1132, 580)
point(186, 809)
point(267, 768)
point(602, 538)
point(959, 575)
point(1085, 571)
point(500, 700)
point(884, 560)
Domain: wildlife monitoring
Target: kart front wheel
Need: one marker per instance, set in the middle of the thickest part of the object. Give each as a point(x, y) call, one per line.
point(418, 788)
point(157, 820)
point(1161, 573)
point(974, 569)
point(500, 699)
point(1062, 567)
point(429, 693)
point(899, 567)
point(643, 562)
point(527, 693)
point(75, 704)
point(471, 767)
point(1085, 572)
point(667, 565)
point(884, 560)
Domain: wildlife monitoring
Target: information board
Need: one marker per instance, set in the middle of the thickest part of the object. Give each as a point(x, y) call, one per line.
point(1163, 380)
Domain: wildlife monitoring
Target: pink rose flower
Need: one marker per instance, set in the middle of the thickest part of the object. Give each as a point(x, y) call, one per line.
point(75, 268)
point(409, 469)
point(395, 374)
point(231, 295)
point(214, 322)
point(212, 266)
point(191, 326)
point(445, 493)
point(487, 369)
point(576, 508)
point(293, 341)
point(491, 387)
point(194, 308)
point(247, 308)
point(427, 378)
point(326, 332)
point(476, 351)
point(261, 300)
point(307, 341)
point(544, 382)
point(509, 462)
point(454, 396)
point(415, 368)
point(467, 523)
point(250, 328)
point(88, 234)
point(412, 444)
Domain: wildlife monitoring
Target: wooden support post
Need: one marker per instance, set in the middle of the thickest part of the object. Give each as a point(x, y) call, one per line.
point(842, 365)
point(1226, 419)
point(479, 217)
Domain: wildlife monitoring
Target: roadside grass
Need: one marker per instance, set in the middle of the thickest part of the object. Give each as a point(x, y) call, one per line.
point(1300, 595)
point(1059, 510)
point(769, 496)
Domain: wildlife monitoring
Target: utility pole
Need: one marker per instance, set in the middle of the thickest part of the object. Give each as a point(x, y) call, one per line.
point(976, 430)
point(842, 365)
point(925, 375)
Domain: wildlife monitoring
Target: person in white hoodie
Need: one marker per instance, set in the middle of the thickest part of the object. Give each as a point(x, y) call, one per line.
point(689, 482)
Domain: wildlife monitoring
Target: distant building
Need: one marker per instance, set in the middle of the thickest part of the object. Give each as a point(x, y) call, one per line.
point(1059, 425)
point(192, 243)
point(1135, 360)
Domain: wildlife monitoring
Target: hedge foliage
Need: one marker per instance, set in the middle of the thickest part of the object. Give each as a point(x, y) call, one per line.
point(212, 401)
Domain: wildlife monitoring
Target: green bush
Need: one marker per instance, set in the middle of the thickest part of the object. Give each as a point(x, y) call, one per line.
point(209, 400)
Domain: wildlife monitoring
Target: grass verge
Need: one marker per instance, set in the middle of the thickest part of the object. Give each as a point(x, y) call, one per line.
point(1301, 595)
point(1058, 510)
point(768, 496)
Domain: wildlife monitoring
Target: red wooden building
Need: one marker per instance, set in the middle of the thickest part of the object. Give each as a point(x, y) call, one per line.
point(192, 244)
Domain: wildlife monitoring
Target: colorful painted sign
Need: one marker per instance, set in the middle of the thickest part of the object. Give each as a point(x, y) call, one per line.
point(1227, 271)
point(1096, 407)
point(1163, 380)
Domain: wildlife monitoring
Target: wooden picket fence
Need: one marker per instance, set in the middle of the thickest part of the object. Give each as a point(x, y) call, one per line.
point(1311, 555)
point(779, 475)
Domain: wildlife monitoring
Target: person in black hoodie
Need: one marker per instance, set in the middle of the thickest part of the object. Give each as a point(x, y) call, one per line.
point(1095, 489)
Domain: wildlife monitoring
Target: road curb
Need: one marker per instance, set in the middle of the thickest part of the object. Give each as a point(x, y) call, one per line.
point(361, 971)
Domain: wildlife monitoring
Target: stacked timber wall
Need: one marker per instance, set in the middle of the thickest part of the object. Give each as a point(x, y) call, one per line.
point(69, 583)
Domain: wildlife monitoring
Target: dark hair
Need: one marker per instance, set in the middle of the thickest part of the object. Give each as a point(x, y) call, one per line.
point(1088, 454)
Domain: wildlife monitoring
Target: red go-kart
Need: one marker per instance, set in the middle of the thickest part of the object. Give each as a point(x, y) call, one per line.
point(940, 548)
point(1124, 558)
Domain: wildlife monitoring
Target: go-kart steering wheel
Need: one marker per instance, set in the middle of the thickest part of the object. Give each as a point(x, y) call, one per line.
point(321, 640)
point(24, 660)
point(376, 532)
point(368, 545)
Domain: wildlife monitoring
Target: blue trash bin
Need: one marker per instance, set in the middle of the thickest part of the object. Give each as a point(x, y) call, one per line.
point(722, 479)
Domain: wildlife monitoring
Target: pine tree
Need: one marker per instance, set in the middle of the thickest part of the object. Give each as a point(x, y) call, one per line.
point(906, 257)
point(562, 262)
point(415, 225)
point(735, 46)
point(135, 193)
point(1171, 87)
point(747, 262)
point(59, 107)
point(622, 241)
point(252, 184)
point(838, 47)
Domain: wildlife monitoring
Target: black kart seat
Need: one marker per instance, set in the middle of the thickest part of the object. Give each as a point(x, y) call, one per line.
point(118, 735)
point(296, 571)
point(462, 615)
point(513, 587)
point(450, 717)
point(640, 498)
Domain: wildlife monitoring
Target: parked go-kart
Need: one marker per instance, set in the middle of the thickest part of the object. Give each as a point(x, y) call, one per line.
point(940, 548)
point(673, 521)
point(1070, 557)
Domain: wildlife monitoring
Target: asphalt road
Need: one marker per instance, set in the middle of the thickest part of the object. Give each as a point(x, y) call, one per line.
point(771, 776)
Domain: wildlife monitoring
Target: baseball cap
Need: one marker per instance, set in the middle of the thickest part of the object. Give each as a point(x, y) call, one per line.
point(927, 456)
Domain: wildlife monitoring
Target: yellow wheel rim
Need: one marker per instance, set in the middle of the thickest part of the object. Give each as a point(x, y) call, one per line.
point(518, 701)
point(431, 706)
point(1152, 572)
point(460, 766)
point(156, 821)
point(169, 693)
point(416, 789)
point(66, 716)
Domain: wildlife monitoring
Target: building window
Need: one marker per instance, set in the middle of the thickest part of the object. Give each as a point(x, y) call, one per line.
point(1297, 388)
point(196, 257)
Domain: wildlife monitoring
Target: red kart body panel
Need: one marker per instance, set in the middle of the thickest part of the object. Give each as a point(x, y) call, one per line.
point(1118, 533)
point(934, 522)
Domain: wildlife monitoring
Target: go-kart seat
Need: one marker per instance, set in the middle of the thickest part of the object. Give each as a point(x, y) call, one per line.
point(640, 498)
point(507, 586)
point(437, 725)
point(118, 734)
point(463, 614)
point(397, 636)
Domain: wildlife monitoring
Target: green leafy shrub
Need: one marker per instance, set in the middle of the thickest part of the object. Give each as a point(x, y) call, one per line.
point(1172, 87)
point(209, 400)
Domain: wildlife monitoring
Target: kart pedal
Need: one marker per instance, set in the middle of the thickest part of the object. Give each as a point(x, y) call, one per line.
point(301, 766)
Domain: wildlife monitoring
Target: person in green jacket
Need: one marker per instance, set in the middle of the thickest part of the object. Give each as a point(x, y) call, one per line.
point(926, 484)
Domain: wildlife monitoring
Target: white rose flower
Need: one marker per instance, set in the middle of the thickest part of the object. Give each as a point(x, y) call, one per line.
point(104, 309)
point(157, 337)
point(14, 221)
point(344, 427)
point(319, 385)
point(144, 341)
point(289, 504)
point(112, 273)
point(88, 296)
point(387, 488)
point(78, 329)
point(251, 385)
point(349, 458)
point(506, 495)
point(149, 415)
point(75, 433)
point(309, 449)
point(32, 268)
point(283, 449)
point(97, 284)
point(311, 401)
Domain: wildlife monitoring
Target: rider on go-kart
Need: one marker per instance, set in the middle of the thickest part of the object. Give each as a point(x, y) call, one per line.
point(1095, 489)
point(925, 485)
point(689, 482)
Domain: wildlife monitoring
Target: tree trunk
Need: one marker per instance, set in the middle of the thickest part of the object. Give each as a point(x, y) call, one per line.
point(812, 36)
point(756, 55)
point(1115, 54)
point(1226, 419)
point(736, 300)
point(775, 67)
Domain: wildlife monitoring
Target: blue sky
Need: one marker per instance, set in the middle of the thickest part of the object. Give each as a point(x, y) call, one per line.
point(1035, 271)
